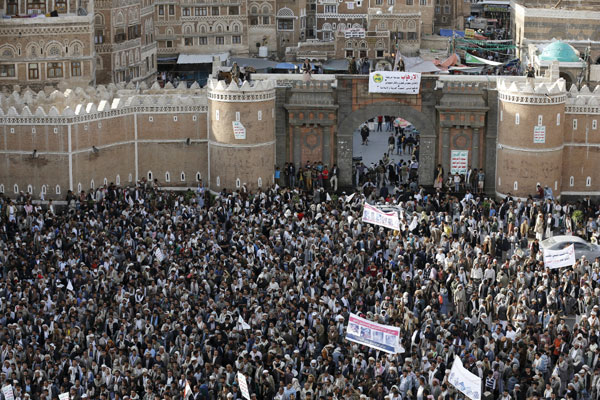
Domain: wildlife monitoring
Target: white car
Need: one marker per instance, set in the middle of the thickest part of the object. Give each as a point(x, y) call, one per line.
point(582, 247)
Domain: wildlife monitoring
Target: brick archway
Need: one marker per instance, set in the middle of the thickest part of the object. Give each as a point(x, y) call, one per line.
point(424, 123)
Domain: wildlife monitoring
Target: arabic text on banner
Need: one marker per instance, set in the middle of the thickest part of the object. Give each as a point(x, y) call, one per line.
point(559, 258)
point(7, 391)
point(373, 215)
point(381, 337)
point(394, 82)
point(465, 381)
point(243, 385)
point(459, 161)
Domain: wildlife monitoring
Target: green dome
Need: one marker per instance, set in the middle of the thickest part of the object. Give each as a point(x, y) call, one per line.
point(559, 51)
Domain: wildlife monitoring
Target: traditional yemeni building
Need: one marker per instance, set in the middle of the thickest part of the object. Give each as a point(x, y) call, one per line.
point(451, 14)
point(124, 41)
point(36, 50)
point(375, 28)
point(520, 133)
point(201, 27)
point(571, 21)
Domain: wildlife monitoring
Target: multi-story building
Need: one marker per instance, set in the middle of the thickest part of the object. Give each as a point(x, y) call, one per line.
point(124, 41)
point(574, 22)
point(450, 14)
point(377, 29)
point(201, 27)
point(36, 50)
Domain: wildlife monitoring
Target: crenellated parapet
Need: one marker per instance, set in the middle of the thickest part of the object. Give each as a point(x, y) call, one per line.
point(83, 104)
point(537, 92)
point(261, 90)
point(583, 101)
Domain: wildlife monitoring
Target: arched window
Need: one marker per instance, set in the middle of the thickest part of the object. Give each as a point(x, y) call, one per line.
point(130, 178)
point(167, 177)
point(16, 188)
point(118, 180)
point(2, 188)
point(182, 176)
point(238, 183)
point(150, 176)
point(29, 189)
point(198, 176)
point(79, 187)
point(516, 185)
point(57, 189)
point(92, 186)
point(572, 181)
point(218, 181)
point(105, 181)
point(588, 181)
point(259, 182)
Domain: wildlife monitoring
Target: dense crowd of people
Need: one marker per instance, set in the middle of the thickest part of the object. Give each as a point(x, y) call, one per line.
point(136, 292)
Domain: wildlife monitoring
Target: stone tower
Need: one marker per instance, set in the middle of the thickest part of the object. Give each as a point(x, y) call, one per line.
point(241, 143)
point(531, 119)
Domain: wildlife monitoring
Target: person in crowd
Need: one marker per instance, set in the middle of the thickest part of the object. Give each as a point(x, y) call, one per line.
point(140, 292)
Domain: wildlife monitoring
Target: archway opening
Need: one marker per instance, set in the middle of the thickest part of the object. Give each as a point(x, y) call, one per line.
point(385, 154)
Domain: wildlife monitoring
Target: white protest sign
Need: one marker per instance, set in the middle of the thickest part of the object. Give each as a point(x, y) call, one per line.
point(7, 391)
point(559, 258)
point(243, 323)
point(382, 337)
point(373, 215)
point(394, 82)
point(464, 380)
point(239, 131)
point(243, 385)
point(539, 134)
point(63, 396)
point(159, 254)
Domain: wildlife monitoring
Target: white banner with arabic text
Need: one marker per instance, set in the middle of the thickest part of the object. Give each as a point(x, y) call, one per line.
point(374, 215)
point(464, 380)
point(559, 258)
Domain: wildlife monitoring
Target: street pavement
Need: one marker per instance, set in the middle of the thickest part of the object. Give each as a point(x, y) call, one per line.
point(374, 151)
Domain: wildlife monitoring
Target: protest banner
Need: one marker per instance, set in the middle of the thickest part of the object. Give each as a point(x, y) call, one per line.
point(7, 391)
point(64, 396)
point(243, 385)
point(374, 215)
point(381, 337)
point(243, 323)
point(187, 391)
point(159, 255)
point(559, 258)
point(465, 381)
point(394, 82)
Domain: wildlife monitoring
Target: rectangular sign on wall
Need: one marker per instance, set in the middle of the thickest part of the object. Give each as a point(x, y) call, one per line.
point(459, 161)
point(394, 82)
point(239, 130)
point(539, 134)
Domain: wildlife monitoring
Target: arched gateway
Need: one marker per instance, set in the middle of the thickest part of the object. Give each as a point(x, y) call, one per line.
point(451, 115)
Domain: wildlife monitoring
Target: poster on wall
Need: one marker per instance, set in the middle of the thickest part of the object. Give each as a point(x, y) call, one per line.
point(239, 131)
point(459, 161)
point(539, 134)
point(394, 82)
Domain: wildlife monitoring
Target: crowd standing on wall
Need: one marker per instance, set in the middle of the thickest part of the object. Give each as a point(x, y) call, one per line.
point(137, 292)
